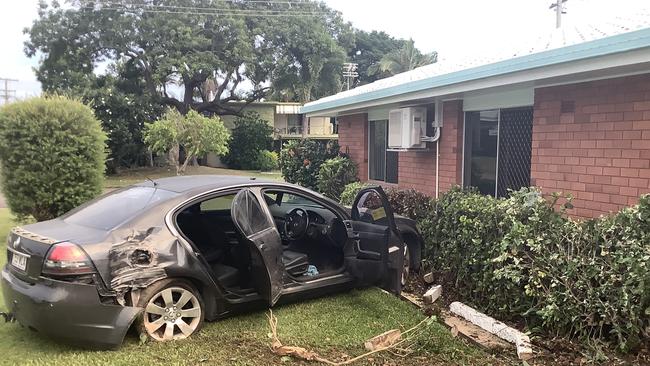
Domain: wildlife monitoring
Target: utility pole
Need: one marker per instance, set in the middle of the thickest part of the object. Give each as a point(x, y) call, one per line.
point(350, 72)
point(558, 5)
point(6, 92)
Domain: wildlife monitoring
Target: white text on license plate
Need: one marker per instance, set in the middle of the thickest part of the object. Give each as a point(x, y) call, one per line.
point(19, 261)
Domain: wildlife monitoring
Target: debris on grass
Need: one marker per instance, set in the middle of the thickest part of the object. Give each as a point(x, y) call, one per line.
point(475, 334)
point(400, 346)
point(383, 340)
point(413, 299)
point(519, 339)
point(428, 278)
point(432, 294)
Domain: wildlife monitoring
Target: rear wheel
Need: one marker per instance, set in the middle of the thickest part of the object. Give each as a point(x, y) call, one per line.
point(173, 309)
point(412, 257)
point(407, 265)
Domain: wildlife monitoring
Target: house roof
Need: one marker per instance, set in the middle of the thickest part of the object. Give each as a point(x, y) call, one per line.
point(573, 43)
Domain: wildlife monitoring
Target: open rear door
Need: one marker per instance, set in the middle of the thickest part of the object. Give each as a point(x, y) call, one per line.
point(264, 243)
point(375, 252)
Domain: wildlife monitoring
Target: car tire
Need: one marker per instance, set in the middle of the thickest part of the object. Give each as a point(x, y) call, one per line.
point(173, 310)
point(412, 254)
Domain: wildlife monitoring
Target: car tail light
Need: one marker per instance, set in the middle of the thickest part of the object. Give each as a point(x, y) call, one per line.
point(67, 259)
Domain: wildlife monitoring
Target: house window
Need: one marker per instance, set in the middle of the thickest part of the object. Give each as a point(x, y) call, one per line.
point(498, 146)
point(294, 124)
point(382, 164)
point(335, 125)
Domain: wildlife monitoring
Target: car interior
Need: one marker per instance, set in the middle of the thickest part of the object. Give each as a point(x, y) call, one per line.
point(313, 238)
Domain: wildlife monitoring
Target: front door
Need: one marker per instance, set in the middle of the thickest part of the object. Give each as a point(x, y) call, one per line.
point(264, 243)
point(375, 253)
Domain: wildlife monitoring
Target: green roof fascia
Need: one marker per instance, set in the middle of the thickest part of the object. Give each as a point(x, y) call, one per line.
point(601, 47)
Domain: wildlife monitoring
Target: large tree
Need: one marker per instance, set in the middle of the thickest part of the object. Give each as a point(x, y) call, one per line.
point(193, 54)
point(406, 58)
point(368, 50)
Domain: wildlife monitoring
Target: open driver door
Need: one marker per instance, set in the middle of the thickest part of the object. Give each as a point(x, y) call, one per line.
point(374, 252)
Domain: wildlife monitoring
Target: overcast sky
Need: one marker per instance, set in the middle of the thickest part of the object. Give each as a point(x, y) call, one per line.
point(455, 28)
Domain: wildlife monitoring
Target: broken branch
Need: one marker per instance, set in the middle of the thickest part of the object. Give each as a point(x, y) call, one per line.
point(278, 348)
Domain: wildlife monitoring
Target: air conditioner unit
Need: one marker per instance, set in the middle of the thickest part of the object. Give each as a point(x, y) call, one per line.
point(406, 127)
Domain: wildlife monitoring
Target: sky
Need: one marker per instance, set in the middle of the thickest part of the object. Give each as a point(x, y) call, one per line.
point(458, 28)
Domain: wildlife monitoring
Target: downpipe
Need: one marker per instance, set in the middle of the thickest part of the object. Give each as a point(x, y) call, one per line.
point(436, 138)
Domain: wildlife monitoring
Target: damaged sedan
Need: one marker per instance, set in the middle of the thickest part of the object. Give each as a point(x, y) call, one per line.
point(164, 256)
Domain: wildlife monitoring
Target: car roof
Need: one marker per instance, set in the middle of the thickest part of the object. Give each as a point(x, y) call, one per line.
point(187, 183)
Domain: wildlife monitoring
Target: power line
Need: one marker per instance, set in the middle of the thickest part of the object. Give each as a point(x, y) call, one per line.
point(6, 92)
point(558, 5)
point(225, 12)
point(194, 10)
point(113, 3)
point(350, 72)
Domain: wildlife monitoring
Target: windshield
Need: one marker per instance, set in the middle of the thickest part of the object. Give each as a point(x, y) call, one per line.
point(110, 210)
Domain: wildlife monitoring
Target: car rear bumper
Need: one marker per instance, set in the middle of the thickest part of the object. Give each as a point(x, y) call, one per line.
point(67, 311)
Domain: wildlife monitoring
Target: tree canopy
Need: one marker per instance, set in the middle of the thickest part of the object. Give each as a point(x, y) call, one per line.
point(197, 134)
point(368, 50)
point(194, 54)
point(405, 58)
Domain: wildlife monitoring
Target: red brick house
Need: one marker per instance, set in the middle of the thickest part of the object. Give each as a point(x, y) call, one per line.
point(570, 117)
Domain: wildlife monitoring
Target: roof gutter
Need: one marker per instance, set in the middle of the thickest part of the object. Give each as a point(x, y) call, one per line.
point(601, 47)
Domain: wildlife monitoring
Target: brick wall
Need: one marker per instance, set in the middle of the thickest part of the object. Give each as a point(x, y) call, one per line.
point(600, 151)
point(353, 138)
point(416, 169)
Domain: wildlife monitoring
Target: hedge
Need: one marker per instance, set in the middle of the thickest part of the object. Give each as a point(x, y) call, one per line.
point(522, 259)
point(300, 160)
point(334, 174)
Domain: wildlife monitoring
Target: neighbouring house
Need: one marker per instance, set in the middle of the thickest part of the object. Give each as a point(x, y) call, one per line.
point(570, 113)
point(287, 121)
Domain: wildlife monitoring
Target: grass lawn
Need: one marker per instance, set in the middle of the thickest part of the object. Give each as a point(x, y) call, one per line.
point(333, 326)
point(132, 176)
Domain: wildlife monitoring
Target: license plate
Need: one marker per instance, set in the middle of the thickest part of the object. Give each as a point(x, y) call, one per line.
point(19, 261)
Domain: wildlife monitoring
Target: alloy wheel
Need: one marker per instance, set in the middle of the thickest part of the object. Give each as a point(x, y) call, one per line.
point(172, 313)
point(407, 265)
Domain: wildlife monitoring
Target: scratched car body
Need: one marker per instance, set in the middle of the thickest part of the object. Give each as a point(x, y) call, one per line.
point(165, 256)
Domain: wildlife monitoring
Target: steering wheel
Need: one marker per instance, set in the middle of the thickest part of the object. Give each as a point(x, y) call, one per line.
point(296, 223)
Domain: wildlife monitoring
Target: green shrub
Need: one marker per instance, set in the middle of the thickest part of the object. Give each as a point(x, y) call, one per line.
point(266, 160)
point(350, 192)
point(250, 135)
point(52, 153)
point(519, 258)
point(300, 160)
point(335, 174)
point(589, 279)
point(197, 134)
point(410, 203)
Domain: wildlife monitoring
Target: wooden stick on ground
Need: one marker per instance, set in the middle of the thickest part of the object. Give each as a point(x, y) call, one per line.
point(278, 348)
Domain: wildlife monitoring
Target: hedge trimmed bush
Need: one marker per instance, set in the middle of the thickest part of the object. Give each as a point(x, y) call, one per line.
point(410, 203)
point(335, 174)
point(52, 153)
point(519, 258)
point(300, 160)
point(250, 135)
point(266, 160)
point(407, 202)
point(350, 192)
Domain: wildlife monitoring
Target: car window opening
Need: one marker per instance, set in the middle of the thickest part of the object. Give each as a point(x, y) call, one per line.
point(315, 252)
point(209, 226)
point(316, 249)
